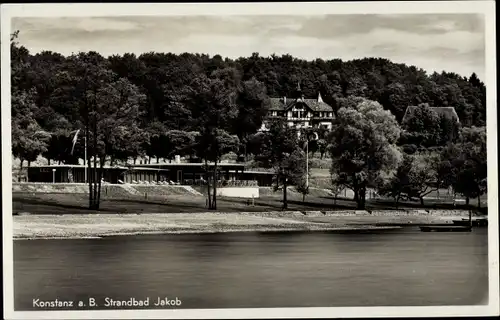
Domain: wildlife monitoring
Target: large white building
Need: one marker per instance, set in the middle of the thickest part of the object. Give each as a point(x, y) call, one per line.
point(300, 112)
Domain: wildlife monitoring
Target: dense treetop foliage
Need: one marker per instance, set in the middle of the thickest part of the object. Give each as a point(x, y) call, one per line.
point(166, 79)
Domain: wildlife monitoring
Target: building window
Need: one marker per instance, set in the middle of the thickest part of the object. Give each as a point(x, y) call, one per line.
point(295, 114)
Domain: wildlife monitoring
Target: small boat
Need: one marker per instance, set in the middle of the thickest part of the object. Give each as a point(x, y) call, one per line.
point(445, 228)
point(464, 225)
point(480, 222)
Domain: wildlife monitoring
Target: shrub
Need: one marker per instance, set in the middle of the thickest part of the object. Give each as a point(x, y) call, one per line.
point(231, 156)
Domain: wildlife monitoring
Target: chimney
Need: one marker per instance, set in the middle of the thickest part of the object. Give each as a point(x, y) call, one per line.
point(319, 97)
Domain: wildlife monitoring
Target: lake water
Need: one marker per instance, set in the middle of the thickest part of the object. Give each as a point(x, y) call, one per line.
point(241, 270)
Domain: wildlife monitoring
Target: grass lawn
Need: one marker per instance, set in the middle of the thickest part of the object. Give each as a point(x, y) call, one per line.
point(46, 203)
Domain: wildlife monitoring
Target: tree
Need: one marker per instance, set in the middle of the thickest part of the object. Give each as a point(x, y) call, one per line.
point(210, 146)
point(179, 143)
point(154, 146)
point(28, 138)
point(253, 104)
point(282, 153)
point(363, 146)
point(395, 99)
point(396, 186)
point(322, 147)
point(471, 165)
point(127, 142)
point(213, 102)
point(115, 121)
point(448, 130)
point(422, 127)
point(109, 107)
point(302, 187)
point(58, 147)
point(421, 178)
point(335, 188)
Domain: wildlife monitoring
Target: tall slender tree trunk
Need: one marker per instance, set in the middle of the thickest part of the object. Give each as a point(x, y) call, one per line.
point(99, 177)
point(48, 160)
point(362, 198)
point(285, 203)
point(214, 201)
point(356, 196)
point(94, 151)
point(479, 201)
point(467, 201)
point(209, 194)
point(208, 176)
point(149, 160)
point(29, 163)
point(421, 201)
point(20, 169)
point(157, 159)
point(89, 171)
point(135, 160)
point(359, 197)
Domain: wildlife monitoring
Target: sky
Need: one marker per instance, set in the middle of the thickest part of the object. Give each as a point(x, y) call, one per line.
point(433, 42)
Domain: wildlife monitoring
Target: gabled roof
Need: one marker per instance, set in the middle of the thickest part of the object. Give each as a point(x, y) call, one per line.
point(277, 104)
point(318, 105)
point(448, 112)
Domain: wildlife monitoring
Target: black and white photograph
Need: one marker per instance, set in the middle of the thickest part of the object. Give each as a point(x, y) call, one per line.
point(249, 160)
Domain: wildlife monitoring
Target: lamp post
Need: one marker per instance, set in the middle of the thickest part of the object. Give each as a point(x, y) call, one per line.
point(307, 162)
point(54, 175)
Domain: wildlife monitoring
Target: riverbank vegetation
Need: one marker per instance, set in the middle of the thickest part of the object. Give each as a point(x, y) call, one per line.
point(158, 105)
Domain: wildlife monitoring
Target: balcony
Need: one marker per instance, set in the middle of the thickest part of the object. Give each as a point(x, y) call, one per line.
point(322, 118)
point(274, 117)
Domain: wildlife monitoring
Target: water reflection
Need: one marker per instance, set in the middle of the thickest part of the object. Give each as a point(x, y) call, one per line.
point(259, 269)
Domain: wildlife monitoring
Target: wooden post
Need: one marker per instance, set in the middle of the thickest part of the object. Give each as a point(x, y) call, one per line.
point(470, 218)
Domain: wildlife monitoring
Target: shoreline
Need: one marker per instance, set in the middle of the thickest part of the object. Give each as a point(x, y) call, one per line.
point(139, 233)
point(96, 226)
